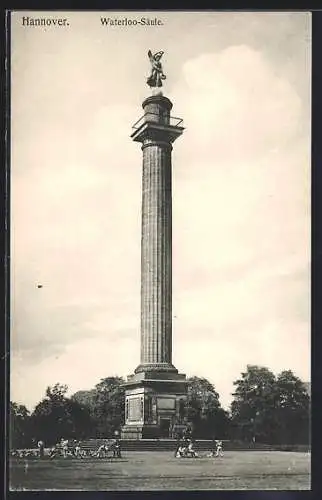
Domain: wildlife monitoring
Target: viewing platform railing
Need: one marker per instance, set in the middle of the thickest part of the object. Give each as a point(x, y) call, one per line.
point(149, 117)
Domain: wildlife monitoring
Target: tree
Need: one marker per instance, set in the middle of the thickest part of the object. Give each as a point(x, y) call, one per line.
point(57, 392)
point(270, 409)
point(106, 403)
point(109, 405)
point(57, 416)
point(253, 405)
point(292, 409)
point(204, 410)
point(19, 426)
point(85, 398)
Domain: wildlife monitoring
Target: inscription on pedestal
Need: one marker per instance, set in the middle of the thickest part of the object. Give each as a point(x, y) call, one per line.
point(166, 403)
point(135, 410)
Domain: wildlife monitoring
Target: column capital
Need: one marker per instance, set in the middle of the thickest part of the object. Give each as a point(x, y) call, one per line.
point(156, 142)
point(156, 131)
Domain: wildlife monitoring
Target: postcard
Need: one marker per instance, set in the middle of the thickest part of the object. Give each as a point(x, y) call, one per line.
point(160, 173)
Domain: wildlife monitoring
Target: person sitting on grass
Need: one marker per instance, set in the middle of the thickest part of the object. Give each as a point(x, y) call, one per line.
point(77, 449)
point(55, 450)
point(185, 445)
point(102, 451)
point(178, 445)
point(181, 451)
point(190, 451)
point(83, 453)
point(212, 449)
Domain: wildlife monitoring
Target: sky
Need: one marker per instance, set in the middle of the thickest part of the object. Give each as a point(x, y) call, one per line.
point(241, 195)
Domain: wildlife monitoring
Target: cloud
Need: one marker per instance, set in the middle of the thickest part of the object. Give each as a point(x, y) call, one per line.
point(245, 232)
point(240, 231)
point(82, 364)
point(69, 226)
point(241, 167)
point(237, 104)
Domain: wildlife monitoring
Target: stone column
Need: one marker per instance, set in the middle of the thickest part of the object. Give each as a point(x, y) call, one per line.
point(156, 382)
point(156, 136)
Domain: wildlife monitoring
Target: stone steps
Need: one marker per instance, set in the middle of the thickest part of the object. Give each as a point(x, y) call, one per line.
point(170, 445)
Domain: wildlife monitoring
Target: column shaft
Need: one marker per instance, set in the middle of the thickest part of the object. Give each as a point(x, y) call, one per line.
point(156, 255)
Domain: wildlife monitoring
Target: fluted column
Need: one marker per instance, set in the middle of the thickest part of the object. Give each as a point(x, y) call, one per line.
point(156, 255)
point(156, 134)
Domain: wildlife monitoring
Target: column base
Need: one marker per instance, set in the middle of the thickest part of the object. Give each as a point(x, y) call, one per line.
point(144, 431)
point(156, 367)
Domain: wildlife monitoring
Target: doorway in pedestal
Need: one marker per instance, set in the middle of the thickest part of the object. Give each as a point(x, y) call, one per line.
point(165, 427)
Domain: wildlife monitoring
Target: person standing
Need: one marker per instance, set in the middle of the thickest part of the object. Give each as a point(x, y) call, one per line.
point(77, 449)
point(178, 445)
point(117, 448)
point(213, 448)
point(64, 446)
point(41, 448)
point(219, 450)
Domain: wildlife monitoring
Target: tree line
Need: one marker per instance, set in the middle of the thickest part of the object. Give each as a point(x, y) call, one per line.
point(265, 408)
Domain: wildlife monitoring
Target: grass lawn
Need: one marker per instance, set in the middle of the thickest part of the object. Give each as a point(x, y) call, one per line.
point(237, 470)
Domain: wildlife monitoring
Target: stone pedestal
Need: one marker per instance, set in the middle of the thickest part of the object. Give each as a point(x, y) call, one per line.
point(156, 391)
point(152, 406)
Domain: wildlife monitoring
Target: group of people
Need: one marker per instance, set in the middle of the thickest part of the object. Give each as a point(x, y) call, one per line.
point(73, 449)
point(31, 453)
point(114, 447)
point(185, 448)
point(66, 448)
point(25, 453)
point(217, 449)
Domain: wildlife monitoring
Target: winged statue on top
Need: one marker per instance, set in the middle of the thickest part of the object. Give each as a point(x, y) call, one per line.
point(157, 75)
